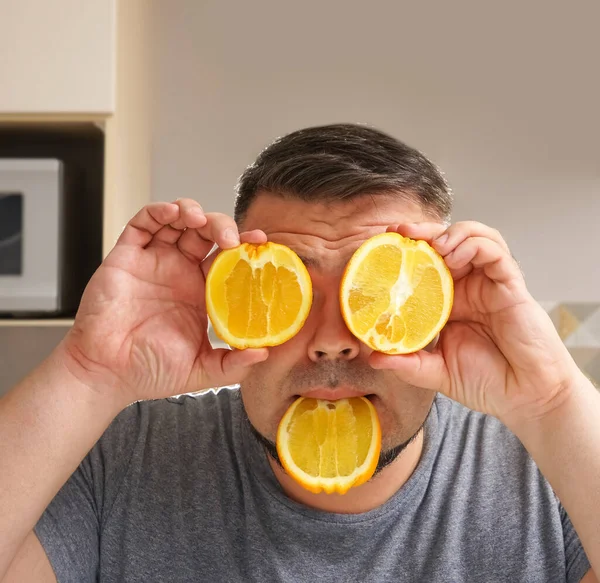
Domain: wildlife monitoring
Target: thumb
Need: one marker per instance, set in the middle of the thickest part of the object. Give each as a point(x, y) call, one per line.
point(422, 369)
point(222, 366)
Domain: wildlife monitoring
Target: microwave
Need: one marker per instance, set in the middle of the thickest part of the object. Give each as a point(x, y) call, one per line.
point(31, 236)
point(51, 203)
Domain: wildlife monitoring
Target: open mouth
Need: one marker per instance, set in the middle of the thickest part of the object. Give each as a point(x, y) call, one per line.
point(335, 395)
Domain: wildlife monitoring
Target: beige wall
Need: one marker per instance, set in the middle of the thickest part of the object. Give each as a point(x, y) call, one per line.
point(505, 99)
point(57, 56)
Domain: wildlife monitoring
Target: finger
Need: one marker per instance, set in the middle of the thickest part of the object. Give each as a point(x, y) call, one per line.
point(458, 274)
point(210, 259)
point(165, 236)
point(193, 246)
point(221, 366)
point(191, 215)
point(449, 240)
point(198, 249)
point(220, 229)
point(147, 222)
point(483, 253)
point(426, 231)
point(421, 369)
point(197, 242)
point(256, 237)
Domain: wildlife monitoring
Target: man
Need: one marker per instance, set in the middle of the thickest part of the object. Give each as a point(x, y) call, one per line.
point(189, 488)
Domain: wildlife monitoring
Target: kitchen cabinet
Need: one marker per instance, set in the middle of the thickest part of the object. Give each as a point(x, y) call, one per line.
point(64, 63)
point(58, 56)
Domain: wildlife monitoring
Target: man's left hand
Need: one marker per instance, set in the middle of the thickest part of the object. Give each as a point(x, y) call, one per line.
point(499, 352)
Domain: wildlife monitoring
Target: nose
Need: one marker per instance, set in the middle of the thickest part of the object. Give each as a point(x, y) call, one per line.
point(331, 339)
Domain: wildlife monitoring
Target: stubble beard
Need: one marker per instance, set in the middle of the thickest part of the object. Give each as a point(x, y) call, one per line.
point(386, 457)
point(333, 374)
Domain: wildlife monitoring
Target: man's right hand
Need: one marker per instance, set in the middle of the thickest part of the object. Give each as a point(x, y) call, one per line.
point(141, 331)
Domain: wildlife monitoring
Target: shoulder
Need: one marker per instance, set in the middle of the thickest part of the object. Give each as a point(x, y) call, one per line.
point(164, 422)
point(461, 427)
point(482, 455)
point(489, 497)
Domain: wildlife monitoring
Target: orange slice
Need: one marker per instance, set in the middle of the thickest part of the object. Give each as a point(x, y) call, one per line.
point(329, 446)
point(258, 295)
point(396, 294)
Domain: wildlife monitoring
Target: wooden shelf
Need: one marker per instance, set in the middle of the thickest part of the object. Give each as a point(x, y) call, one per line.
point(57, 323)
point(52, 119)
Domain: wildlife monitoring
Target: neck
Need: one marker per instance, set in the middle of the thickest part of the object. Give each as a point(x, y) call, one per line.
point(363, 498)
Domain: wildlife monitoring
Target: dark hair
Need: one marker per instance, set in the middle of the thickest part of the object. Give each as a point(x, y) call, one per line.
point(342, 161)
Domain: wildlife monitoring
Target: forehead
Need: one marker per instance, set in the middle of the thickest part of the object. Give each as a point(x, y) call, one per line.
point(326, 234)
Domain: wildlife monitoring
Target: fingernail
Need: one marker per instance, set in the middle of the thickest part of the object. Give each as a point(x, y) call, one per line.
point(441, 240)
point(231, 236)
point(197, 212)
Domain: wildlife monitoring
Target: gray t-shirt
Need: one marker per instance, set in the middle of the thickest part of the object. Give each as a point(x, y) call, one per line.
point(180, 490)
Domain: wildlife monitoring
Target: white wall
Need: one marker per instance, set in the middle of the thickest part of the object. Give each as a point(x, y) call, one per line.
point(505, 99)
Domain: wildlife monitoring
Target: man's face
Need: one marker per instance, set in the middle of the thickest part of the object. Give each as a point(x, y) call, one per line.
point(324, 359)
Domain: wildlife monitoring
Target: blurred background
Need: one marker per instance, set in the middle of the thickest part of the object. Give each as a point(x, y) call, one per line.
point(503, 97)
